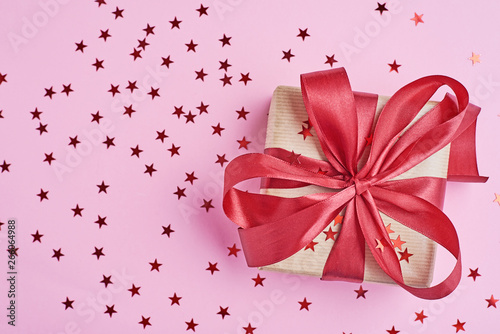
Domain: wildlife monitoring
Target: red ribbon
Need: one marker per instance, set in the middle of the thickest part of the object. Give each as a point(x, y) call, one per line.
point(274, 228)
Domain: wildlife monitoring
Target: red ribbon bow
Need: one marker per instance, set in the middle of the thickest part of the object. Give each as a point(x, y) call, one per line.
point(274, 228)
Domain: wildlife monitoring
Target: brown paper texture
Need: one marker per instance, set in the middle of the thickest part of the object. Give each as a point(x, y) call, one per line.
point(286, 116)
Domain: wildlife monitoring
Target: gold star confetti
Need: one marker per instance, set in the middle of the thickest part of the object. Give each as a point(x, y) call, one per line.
point(475, 58)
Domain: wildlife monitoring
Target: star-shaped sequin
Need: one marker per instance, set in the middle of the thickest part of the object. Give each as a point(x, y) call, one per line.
point(145, 321)
point(66, 89)
point(101, 221)
point(49, 92)
point(175, 23)
point(394, 66)
point(200, 75)
point(42, 128)
point(136, 151)
point(180, 193)
point(381, 8)
point(49, 158)
point(223, 311)
point(166, 61)
point(77, 211)
point(330, 234)
point(191, 325)
point(43, 194)
point(361, 292)
point(221, 159)
point(98, 64)
point(191, 46)
point(405, 255)
point(190, 117)
point(249, 329)
point(224, 65)
point(5, 166)
point(167, 230)
point(420, 316)
point(114, 90)
point(129, 111)
point(110, 310)
point(459, 326)
point(233, 250)
point(226, 80)
point(330, 60)
point(154, 92)
point(57, 254)
point(202, 108)
point(98, 252)
point(243, 143)
point(174, 150)
point(109, 142)
point(303, 33)
point(217, 129)
point(175, 299)
point(35, 114)
point(149, 30)
point(132, 86)
point(288, 55)
point(155, 265)
point(492, 302)
point(68, 303)
point(417, 19)
point(475, 58)
point(118, 13)
point(212, 267)
point(150, 169)
point(242, 113)
point(134, 290)
point(190, 177)
point(105, 34)
point(37, 237)
point(392, 330)
point(202, 10)
point(258, 280)
point(225, 40)
point(245, 78)
point(96, 117)
point(304, 304)
point(103, 187)
point(80, 46)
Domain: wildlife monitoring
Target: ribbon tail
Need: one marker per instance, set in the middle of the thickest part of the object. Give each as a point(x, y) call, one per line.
point(346, 261)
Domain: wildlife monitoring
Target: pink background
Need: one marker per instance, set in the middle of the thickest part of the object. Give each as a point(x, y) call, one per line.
point(37, 43)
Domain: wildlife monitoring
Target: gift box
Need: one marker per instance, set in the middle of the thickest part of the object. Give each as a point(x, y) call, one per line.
point(367, 172)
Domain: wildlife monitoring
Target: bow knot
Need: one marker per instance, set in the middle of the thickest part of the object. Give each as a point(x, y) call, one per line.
point(361, 185)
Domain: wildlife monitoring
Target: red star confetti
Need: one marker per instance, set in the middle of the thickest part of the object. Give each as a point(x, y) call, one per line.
point(225, 40)
point(361, 292)
point(221, 159)
point(134, 290)
point(249, 329)
point(106, 280)
point(77, 211)
point(288, 55)
point(212, 267)
point(37, 237)
point(243, 143)
point(57, 254)
point(145, 322)
point(245, 78)
point(223, 312)
point(303, 34)
point(175, 23)
point(459, 326)
point(394, 66)
point(311, 246)
point(304, 304)
point(417, 19)
point(175, 299)
point(110, 310)
point(202, 10)
point(330, 60)
point(420, 316)
point(118, 13)
point(233, 250)
point(258, 280)
point(68, 303)
point(405, 255)
point(43, 195)
point(149, 30)
point(180, 192)
point(207, 205)
point(167, 230)
point(492, 302)
point(155, 265)
point(381, 8)
point(392, 331)
point(191, 325)
point(150, 169)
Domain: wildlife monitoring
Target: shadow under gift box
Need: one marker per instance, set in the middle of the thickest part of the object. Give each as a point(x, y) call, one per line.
point(287, 116)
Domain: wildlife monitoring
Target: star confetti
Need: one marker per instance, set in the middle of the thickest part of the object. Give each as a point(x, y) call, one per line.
point(288, 55)
point(474, 273)
point(233, 250)
point(212, 267)
point(420, 316)
point(258, 280)
point(459, 326)
point(492, 301)
point(303, 34)
point(475, 58)
point(381, 8)
point(417, 19)
point(392, 331)
point(394, 66)
point(304, 304)
point(361, 292)
point(191, 325)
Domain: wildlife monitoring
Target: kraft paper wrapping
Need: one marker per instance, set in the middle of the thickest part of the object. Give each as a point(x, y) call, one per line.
point(286, 117)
